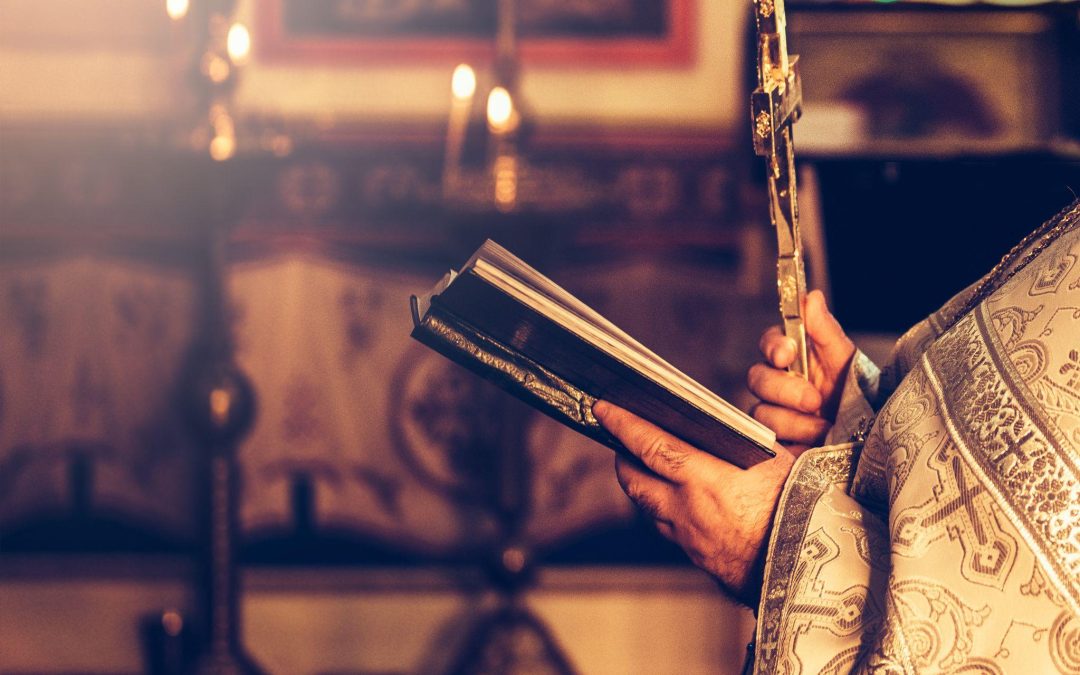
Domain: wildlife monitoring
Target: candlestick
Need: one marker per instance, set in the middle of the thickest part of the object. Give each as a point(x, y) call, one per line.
point(462, 90)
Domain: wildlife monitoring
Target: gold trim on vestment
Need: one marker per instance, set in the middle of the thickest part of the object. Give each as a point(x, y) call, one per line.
point(1001, 432)
point(813, 473)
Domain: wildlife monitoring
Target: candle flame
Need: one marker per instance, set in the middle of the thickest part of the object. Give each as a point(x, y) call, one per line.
point(463, 82)
point(238, 43)
point(177, 9)
point(500, 109)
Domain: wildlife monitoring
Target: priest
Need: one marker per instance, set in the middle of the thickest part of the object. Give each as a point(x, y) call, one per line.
point(922, 517)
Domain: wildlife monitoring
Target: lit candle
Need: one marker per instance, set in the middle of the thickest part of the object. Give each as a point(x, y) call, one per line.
point(502, 120)
point(462, 90)
point(238, 43)
point(500, 111)
point(177, 9)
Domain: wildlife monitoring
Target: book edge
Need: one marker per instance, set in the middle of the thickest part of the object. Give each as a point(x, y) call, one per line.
point(464, 348)
point(665, 373)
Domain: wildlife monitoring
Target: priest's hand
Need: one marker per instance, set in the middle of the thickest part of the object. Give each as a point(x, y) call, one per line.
point(718, 513)
point(802, 411)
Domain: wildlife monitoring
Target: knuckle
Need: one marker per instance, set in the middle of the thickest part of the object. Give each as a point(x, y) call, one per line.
point(789, 390)
point(753, 378)
point(816, 430)
point(660, 451)
point(810, 425)
point(763, 413)
point(793, 391)
point(802, 428)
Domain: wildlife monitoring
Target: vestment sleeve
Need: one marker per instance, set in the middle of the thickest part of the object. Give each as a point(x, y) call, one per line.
point(948, 542)
point(858, 399)
point(826, 573)
point(867, 387)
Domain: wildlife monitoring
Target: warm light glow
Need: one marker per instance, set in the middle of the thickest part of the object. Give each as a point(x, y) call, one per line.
point(463, 82)
point(215, 68)
point(280, 144)
point(506, 183)
point(220, 119)
point(177, 9)
point(513, 559)
point(173, 623)
point(222, 147)
point(238, 43)
point(220, 399)
point(500, 109)
point(219, 116)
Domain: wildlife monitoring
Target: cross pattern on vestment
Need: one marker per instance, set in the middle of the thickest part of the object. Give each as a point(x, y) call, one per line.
point(961, 509)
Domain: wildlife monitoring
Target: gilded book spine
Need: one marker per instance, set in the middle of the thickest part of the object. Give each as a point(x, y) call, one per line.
point(513, 372)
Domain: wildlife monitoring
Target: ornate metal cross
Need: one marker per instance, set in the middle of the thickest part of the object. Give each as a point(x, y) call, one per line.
point(775, 106)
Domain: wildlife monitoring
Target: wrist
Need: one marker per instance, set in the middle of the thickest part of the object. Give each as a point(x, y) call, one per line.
point(744, 582)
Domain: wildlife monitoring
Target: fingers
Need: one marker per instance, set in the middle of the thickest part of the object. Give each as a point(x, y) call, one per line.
point(831, 344)
point(783, 388)
point(791, 426)
point(777, 348)
point(658, 450)
point(649, 493)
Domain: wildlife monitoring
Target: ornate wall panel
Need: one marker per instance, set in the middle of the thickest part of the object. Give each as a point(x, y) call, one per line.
point(90, 349)
point(367, 447)
point(564, 32)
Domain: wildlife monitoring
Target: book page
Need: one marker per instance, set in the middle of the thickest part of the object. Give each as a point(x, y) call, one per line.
point(548, 299)
point(509, 263)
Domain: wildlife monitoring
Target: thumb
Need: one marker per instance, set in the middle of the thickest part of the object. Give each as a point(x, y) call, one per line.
point(833, 347)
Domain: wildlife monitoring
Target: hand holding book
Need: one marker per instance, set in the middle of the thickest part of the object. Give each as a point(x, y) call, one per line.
point(504, 320)
point(718, 514)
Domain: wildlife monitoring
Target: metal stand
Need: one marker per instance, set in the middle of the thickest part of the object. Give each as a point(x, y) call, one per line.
point(220, 405)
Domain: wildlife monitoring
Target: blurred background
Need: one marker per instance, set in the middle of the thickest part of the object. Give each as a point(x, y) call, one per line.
point(219, 448)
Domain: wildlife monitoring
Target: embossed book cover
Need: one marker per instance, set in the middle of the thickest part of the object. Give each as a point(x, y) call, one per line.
point(507, 322)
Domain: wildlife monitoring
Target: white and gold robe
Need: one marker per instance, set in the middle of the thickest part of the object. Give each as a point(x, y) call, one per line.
point(950, 540)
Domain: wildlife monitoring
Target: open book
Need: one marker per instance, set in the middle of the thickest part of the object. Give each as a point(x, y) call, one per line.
point(515, 327)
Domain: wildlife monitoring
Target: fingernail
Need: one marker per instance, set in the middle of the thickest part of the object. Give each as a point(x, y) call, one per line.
point(601, 409)
point(785, 351)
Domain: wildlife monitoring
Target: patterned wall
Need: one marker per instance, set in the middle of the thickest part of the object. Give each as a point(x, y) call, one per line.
point(366, 446)
point(89, 346)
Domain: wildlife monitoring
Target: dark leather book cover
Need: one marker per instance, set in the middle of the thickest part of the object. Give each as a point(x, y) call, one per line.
point(493, 334)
